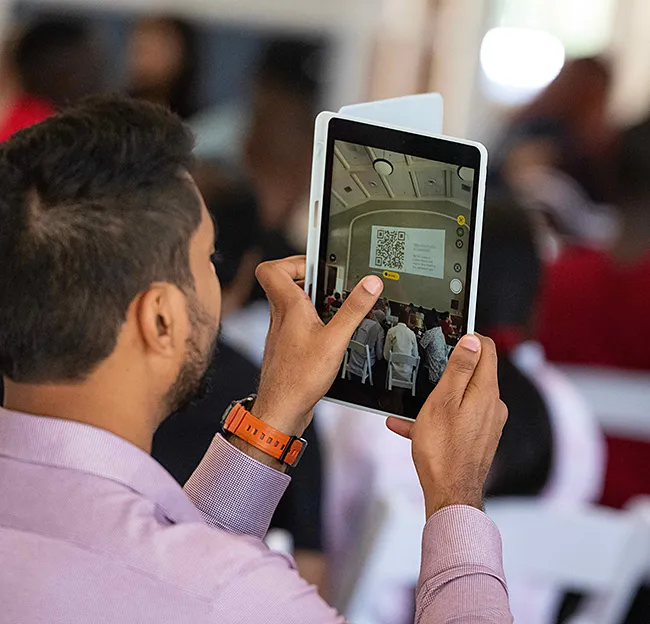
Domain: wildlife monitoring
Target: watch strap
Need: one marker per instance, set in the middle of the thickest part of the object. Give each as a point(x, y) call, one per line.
point(285, 448)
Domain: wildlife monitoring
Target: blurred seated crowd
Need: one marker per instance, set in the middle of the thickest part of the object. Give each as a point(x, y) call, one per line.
point(565, 273)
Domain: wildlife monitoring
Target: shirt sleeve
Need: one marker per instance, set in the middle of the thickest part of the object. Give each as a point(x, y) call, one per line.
point(235, 492)
point(461, 578)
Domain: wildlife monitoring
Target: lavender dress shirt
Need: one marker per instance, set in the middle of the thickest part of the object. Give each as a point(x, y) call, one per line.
point(93, 530)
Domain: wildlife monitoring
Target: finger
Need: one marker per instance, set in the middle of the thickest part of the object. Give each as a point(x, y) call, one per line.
point(460, 368)
point(399, 426)
point(278, 279)
point(485, 380)
point(359, 302)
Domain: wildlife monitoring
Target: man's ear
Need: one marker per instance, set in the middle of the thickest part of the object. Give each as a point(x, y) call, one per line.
point(162, 319)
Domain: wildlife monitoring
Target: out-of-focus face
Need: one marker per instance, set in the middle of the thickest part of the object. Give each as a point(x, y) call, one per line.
point(204, 313)
point(278, 152)
point(154, 55)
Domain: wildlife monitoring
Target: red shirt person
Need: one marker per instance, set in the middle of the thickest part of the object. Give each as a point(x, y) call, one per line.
point(585, 293)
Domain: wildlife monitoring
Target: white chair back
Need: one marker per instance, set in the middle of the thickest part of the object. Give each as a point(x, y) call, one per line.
point(402, 358)
point(366, 371)
point(408, 360)
point(390, 546)
point(596, 551)
point(358, 347)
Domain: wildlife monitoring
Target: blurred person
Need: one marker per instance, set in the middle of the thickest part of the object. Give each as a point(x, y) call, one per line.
point(596, 285)
point(49, 64)
point(552, 445)
point(87, 386)
point(401, 339)
point(435, 347)
point(567, 128)
point(277, 148)
point(370, 333)
point(162, 63)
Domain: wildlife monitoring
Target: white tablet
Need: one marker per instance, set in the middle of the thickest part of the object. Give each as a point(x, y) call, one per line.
point(408, 207)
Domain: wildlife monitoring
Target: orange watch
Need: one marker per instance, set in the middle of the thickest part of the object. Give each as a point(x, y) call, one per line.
point(238, 420)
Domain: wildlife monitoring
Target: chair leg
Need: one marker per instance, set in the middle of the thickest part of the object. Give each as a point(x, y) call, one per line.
point(370, 375)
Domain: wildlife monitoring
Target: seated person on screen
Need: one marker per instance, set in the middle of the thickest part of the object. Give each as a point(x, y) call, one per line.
point(400, 339)
point(446, 324)
point(335, 305)
point(433, 343)
point(370, 333)
point(379, 313)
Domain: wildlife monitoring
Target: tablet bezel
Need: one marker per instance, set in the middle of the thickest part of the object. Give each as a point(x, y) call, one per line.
point(331, 128)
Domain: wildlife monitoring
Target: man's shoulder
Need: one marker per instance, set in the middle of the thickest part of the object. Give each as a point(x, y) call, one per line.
point(203, 560)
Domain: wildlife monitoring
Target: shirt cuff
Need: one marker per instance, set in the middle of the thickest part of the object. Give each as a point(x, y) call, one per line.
point(460, 536)
point(234, 491)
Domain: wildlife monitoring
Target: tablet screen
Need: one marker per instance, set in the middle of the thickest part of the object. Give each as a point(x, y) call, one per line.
point(400, 206)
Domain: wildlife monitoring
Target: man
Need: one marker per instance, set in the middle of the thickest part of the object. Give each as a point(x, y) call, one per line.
point(445, 323)
point(109, 308)
point(368, 333)
point(401, 339)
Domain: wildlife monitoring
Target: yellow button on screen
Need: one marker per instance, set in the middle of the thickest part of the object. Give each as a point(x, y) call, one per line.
point(391, 275)
point(461, 220)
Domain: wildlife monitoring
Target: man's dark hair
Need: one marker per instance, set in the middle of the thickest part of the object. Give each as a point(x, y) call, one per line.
point(57, 60)
point(431, 319)
point(404, 315)
point(337, 296)
point(95, 207)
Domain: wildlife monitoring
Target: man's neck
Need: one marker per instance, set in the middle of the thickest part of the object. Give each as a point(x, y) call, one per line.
point(84, 403)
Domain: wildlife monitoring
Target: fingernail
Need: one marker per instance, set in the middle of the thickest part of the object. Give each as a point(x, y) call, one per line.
point(471, 342)
point(373, 284)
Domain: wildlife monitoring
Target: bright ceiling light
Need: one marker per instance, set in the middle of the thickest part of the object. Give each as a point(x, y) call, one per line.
point(382, 166)
point(523, 59)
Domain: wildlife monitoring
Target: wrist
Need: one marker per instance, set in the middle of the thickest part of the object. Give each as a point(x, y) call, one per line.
point(278, 417)
point(437, 498)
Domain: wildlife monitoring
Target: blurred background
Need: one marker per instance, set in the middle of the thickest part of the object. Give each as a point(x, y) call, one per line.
point(559, 91)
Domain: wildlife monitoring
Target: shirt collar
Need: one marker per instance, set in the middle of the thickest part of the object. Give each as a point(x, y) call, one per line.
point(76, 446)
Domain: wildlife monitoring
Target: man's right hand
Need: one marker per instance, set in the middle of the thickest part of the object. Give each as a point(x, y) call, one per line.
point(458, 429)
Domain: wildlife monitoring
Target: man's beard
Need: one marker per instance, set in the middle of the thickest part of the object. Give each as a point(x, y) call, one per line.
point(194, 380)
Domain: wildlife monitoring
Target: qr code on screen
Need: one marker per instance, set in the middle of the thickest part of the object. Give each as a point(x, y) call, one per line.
point(390, 249)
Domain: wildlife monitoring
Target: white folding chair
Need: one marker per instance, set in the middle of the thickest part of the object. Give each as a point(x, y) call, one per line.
point(593, 550)
point(401, 358)
point(386, 560)
point(366, 371)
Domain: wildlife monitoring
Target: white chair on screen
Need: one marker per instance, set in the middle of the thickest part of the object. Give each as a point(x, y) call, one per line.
point(599, 552)
point(408, 360)
point(364, 351)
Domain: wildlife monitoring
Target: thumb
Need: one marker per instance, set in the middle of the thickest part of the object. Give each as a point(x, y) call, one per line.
point(460, 369)
point(399, 426)
point(359, 302)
